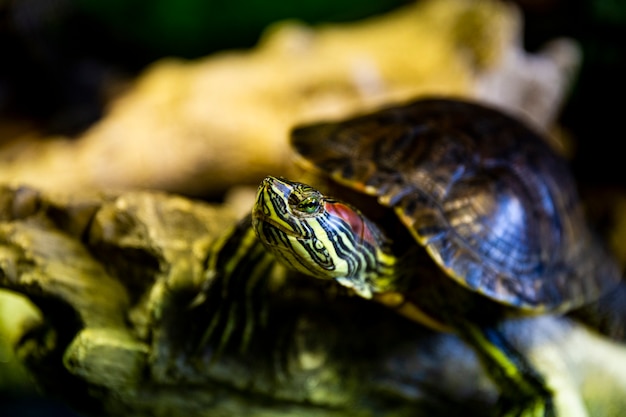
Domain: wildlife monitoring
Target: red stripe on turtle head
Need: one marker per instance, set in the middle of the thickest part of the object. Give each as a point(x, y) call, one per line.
point(353, 218)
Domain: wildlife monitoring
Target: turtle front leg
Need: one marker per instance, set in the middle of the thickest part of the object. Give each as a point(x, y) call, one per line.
point(525, 391)
point(236, 270)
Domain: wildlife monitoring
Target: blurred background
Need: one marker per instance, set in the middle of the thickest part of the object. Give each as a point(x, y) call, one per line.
point(62, 62)
point(62, 59)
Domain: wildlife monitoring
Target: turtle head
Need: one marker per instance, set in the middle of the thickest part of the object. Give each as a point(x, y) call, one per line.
point(322, 237)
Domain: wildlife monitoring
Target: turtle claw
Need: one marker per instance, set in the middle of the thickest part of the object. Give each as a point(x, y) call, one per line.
point(537, 408)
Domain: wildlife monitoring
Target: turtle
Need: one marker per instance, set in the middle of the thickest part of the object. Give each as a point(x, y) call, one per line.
point(453, 213)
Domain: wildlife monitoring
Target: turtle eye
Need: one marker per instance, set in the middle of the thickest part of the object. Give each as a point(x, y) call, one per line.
point(309, 205)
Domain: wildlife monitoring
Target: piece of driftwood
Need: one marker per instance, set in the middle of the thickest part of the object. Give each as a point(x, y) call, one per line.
point(116, 276)
point(202, 126)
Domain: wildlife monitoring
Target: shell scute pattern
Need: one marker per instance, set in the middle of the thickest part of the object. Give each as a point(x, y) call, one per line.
point(489, 200)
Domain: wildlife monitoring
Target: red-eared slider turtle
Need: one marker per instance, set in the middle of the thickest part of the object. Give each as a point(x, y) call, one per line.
point(493, 210)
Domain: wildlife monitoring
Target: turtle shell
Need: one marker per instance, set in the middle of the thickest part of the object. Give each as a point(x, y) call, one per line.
point(494, 206)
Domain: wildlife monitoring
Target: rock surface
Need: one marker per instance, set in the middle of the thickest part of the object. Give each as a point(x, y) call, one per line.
point(115, 276)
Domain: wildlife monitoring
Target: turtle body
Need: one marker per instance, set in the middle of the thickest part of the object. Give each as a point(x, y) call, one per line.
point(492, 204)
point(493, 216)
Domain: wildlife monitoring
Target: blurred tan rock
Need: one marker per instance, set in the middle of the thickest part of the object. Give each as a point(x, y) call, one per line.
point(200, 127)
